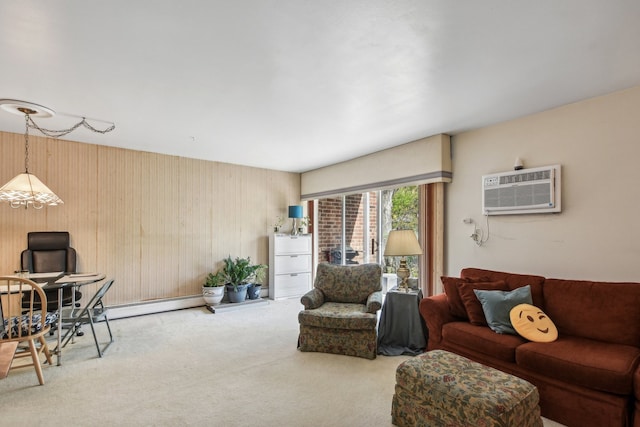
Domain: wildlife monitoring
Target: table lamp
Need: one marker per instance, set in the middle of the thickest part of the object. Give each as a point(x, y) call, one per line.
point(402, 243)
point(295, 212)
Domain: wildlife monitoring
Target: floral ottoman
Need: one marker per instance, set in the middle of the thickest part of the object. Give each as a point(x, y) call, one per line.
point(439, 388)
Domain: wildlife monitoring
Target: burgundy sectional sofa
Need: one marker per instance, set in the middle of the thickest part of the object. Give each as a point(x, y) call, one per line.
point(589, 376)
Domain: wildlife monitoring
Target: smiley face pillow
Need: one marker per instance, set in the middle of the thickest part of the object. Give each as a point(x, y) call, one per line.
point(531, 323)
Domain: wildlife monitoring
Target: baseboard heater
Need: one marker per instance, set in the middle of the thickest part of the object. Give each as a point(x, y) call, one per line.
point(161, 305)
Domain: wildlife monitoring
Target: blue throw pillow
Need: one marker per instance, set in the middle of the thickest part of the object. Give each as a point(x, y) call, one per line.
point(496, 306)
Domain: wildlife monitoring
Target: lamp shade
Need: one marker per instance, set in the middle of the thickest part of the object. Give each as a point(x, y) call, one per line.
point(295, 211)
point(402, 243)
point(27, 190)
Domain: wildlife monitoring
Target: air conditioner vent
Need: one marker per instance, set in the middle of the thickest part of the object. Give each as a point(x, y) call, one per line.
point(525, 177)
point(535, 190)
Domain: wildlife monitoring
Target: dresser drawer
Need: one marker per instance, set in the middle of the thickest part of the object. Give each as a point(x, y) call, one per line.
point(292, 244)
point(292, 263)
point(290, 285)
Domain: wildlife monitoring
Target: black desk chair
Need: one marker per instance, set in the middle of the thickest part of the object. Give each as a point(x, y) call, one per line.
point(49, 251)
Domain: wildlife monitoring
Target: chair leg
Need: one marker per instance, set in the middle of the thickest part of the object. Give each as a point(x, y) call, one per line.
point(69, 334)
point(95, 337)
point(45, 349)
point(106, 319)
point(36, 360)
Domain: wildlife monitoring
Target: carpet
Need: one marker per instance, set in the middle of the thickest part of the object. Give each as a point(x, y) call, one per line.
point(191, 367)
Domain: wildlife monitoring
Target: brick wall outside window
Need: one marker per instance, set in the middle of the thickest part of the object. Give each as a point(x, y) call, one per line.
point(329, 226)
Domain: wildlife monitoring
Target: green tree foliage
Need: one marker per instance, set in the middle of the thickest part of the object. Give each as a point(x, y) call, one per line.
point(404, 211)
point(404, 215)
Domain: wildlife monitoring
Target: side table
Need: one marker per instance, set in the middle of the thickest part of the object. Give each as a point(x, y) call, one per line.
point(401, 329)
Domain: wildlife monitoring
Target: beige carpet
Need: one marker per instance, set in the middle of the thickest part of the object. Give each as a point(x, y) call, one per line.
point(192, 367)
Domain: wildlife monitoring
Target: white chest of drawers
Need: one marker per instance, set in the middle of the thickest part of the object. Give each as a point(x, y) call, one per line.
point(290, 265)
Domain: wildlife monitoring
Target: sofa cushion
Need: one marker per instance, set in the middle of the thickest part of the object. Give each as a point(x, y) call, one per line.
point(483, 340)
point(512, 280)
point(603, 311)
point(497, 305)
point(472, 304)
point(451, 287)
point(588, 363)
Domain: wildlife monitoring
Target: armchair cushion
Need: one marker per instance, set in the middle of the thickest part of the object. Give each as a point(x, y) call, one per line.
point(350, 284)
point(338, 316)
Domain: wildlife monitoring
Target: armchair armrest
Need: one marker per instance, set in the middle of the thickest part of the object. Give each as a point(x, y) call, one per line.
point(312, 299)
point(374, 302)
point(435, 312)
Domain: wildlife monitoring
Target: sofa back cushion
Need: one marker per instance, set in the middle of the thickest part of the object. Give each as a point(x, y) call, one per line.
point(603, 311)
point(472, 304)
point(451, 287)
point(512, 280)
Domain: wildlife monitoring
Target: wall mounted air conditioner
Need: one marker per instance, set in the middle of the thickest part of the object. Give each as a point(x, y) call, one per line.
point(524, 191)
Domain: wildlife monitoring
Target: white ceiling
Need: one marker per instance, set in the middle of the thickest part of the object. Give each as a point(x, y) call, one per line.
point(298, 84)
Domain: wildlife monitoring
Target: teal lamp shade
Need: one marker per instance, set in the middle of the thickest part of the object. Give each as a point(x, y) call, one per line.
point(295, 211)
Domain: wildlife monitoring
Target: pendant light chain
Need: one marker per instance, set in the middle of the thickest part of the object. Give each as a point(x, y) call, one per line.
point(62, 132)
point(26, 143)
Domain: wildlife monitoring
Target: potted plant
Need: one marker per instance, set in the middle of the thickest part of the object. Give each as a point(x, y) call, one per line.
point(278, 224)
point(303, 224)
point(239, 273)
point(213, 288)
point(253, 290)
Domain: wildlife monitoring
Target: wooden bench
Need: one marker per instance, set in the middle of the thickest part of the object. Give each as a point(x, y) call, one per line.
point(7, 351)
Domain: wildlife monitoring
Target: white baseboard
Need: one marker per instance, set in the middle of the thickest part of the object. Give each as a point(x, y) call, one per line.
point(150, 307)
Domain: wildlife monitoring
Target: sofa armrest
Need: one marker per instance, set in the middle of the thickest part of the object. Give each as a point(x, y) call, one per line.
point(374, 302)
point(312, 299)
point(435, 312)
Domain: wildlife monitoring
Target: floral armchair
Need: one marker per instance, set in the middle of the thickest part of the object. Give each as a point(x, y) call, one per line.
point(340, 312)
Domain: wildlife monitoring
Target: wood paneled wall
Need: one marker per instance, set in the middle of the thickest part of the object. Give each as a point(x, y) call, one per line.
point(156, 223)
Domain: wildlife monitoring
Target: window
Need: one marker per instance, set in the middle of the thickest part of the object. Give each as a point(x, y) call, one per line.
point(350, 228)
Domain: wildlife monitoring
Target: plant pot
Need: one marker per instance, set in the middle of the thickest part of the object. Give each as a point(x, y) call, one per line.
point(237, 296)
point(212, 294)
point(253, 291)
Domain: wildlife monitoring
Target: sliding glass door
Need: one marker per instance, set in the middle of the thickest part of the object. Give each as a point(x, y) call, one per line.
point(353, 229)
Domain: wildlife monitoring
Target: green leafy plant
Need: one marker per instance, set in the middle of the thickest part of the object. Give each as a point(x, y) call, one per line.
point(215, 280)
point(240, 271)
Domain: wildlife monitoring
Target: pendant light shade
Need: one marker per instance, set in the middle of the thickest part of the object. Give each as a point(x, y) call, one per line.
point(27, 190)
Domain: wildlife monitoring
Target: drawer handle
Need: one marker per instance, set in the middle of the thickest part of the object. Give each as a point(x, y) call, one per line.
point(294, 274)
point(293, 256)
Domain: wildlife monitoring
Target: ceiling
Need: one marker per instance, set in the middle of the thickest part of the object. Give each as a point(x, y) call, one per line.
point(294, 85)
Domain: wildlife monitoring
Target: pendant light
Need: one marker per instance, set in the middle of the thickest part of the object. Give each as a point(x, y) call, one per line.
point(26, 189)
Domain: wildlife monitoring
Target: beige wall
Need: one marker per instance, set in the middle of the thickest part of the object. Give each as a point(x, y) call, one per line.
point(157, 224)
point(597, 234)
